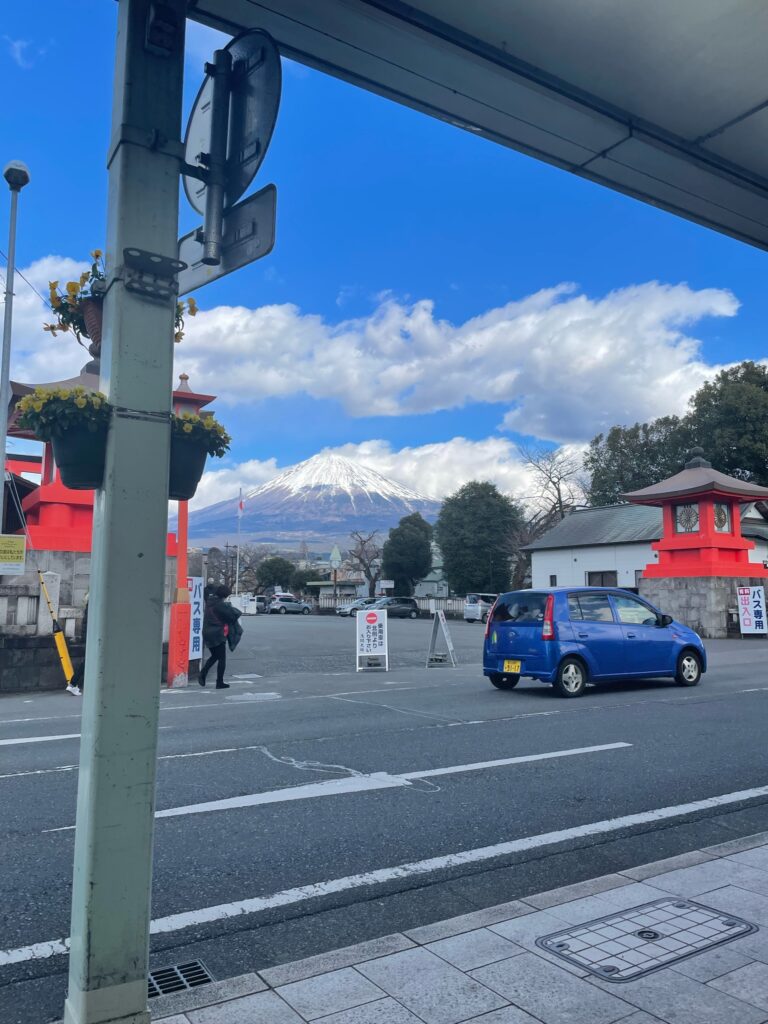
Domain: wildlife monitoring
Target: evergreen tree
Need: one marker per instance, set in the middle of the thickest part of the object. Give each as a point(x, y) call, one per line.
point(274, 572)
point(474, 531)
point(407, 555)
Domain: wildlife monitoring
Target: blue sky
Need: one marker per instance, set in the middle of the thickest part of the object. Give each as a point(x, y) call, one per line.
point(381, 324)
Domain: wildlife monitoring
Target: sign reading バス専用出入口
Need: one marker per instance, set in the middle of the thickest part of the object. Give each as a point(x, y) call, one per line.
point(752, 617)
point(13, 554)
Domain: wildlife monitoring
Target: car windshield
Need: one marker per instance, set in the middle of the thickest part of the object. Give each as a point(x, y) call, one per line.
point(521, 606)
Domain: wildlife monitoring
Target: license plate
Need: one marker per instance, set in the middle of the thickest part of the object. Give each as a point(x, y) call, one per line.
point(512, 666)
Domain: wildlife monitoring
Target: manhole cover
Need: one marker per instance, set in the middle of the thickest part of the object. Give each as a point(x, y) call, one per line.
point(177, 978)
point(627, 945)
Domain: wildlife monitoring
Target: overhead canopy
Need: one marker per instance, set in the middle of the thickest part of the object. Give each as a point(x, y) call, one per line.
point(665, 101)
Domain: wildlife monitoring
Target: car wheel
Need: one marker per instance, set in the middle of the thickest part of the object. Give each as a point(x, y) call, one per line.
point(688, 669)
point(283, 611)
point(571, 680)
point(305, 611)
point(508, 682)
point(413, 615)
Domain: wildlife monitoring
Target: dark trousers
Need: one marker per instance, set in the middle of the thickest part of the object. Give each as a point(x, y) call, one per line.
point(219, 659)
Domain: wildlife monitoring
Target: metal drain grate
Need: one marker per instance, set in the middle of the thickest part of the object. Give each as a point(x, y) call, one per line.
point(178, 978)
point(628, 945)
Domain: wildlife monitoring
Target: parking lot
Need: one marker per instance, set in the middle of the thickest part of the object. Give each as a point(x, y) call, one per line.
point(309, 807)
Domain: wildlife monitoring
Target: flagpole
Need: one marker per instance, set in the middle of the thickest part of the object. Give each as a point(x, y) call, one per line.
point(237, 562)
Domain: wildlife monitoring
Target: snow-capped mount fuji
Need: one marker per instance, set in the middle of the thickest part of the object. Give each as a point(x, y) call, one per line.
point(320, 500)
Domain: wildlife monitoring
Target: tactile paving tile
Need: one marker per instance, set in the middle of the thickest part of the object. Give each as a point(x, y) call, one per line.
point(627, 945)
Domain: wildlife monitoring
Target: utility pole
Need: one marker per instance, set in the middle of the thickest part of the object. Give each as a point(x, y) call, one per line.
point(118, 751)
point(17, 176)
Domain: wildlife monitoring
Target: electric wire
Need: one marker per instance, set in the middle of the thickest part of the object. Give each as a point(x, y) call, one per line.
point(45, 301)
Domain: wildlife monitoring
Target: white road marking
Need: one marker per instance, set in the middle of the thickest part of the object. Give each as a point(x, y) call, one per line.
point(357, 783)
point(248, 675)
point(38, 739)
point(223, 911)
point(502, 762)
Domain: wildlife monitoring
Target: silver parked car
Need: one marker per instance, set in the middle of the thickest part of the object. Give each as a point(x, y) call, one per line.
point(282, 604)
point(356, 606)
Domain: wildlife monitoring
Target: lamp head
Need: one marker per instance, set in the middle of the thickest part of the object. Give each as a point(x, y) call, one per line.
point(16, 174)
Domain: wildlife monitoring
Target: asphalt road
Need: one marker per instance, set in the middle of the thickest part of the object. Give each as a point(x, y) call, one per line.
point(309, 807)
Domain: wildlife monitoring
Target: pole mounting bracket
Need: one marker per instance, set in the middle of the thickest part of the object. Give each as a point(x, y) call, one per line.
point(151, 275)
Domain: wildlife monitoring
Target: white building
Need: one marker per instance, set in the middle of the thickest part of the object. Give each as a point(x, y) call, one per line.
point(610, 546)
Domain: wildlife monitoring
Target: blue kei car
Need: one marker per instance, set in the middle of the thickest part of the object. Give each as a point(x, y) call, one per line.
point(570, 636)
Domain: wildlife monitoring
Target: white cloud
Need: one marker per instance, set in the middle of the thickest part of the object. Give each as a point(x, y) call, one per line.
point(219, 484)
point(37, 357)
point(566, 364)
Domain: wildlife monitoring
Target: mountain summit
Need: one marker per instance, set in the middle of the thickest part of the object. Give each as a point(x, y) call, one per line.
point(320, 500)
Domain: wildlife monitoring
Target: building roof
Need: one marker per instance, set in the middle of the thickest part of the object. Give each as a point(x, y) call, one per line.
point(619, 524)
point(698, 477)
point(607, 524)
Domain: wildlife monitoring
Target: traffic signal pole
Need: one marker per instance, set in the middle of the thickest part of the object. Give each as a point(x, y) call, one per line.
point(116, 792)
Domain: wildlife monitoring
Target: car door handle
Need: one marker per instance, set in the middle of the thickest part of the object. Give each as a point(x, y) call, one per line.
point(584, 636)
point(631, 636)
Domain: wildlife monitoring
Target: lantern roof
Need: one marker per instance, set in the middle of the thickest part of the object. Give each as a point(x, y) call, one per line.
point(698, 478)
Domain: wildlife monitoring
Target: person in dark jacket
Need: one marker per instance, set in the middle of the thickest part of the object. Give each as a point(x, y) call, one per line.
point(219, 621)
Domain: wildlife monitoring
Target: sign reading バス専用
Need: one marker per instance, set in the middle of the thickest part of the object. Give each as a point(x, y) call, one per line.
point(13, 554)
point(752, 609)
point(195, 588)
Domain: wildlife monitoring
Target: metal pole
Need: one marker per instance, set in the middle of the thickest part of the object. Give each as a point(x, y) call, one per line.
point(221, 71)
point(17, 176)
point(118, 750)
point(237, 563)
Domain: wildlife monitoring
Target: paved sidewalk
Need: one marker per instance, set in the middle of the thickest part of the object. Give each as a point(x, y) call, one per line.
point(486, 968)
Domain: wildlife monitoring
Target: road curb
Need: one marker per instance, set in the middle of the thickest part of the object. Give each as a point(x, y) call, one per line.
point(165, 1007)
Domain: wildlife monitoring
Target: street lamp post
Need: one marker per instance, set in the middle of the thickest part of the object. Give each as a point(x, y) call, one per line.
point(17, 175)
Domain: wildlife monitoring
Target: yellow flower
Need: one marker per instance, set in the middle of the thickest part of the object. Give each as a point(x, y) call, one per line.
point(80, 402)
point(85, 277)
point(52, 328)
point(53, 285)
point(96, 402)
point(55, 300)
point(187, 428)
point(96, 254)
point(178, 336)
point(191, 307)
point(37, 406)
point(72, 287)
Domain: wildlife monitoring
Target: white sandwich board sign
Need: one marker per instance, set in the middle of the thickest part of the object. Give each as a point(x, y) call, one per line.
point(372, 641)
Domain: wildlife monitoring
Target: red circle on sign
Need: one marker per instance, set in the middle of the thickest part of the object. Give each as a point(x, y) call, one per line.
point(371, 617)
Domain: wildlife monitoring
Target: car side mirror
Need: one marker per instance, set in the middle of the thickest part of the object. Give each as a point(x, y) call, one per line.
point(665, 620)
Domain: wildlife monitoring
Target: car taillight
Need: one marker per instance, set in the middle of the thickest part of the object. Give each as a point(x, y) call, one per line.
point(488, 620)
point(548, 626)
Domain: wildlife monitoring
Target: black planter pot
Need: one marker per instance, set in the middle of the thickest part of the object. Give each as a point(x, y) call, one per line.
point(187, 467)
point(79, 455)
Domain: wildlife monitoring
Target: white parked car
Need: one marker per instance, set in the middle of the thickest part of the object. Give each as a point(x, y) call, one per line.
point(282, 604)
point(477, 607)
point(356, 606)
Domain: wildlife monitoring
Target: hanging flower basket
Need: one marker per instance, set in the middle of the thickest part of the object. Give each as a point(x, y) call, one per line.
point(93, 315)
point(75, 422)
point(193, 439)
point(79, 455)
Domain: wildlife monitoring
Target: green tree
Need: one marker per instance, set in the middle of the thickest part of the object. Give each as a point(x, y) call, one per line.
point(407, 554)
point(628, 458)
point(275, 571)
point(729, 418)
point(474, 530)
point(300, 578)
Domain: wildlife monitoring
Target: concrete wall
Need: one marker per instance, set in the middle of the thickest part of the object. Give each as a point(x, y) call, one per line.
point(571, 565)
point(706, 604)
